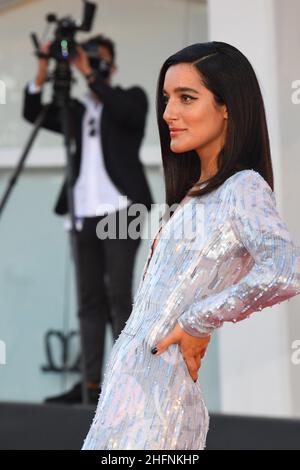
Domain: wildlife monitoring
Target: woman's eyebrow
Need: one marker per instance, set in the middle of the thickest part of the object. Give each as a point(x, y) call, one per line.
point(180, 89)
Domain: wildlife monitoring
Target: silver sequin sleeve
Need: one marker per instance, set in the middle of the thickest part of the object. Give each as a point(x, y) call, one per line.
point(275, 273)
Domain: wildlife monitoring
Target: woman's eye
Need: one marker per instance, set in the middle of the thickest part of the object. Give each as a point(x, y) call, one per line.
point(187, 98)
point(184, 98)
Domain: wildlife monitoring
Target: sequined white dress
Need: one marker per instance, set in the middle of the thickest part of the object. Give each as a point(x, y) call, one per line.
point(233, 257)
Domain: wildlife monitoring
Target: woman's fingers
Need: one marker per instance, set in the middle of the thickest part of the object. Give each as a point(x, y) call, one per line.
point(173, 338)
point(192, 348)
point(194, 363)
point(192, 367)
point(198, 361)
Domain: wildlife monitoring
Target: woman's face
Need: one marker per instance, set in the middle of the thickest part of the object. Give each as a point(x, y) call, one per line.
point(191, 108)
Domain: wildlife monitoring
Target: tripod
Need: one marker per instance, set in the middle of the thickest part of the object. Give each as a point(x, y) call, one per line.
point(63, 102)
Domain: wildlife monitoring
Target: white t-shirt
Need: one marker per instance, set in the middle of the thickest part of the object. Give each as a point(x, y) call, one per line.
point(94, 191)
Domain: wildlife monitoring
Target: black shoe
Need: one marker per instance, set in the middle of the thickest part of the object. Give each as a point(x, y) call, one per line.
point(74, 396)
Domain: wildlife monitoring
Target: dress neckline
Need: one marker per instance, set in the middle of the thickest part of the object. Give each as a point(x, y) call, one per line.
point(160, 230)
point(163, 227)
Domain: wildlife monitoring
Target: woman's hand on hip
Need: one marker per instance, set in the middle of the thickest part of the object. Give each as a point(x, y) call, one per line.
point(192, 348)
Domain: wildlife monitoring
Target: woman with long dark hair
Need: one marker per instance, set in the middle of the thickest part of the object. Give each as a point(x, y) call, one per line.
point(222, 255)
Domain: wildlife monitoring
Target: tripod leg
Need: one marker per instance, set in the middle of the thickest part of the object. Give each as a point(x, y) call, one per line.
point(12, 181)
point(70, 176)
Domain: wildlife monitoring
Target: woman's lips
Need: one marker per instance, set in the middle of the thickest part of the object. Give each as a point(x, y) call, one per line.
point(174, 132)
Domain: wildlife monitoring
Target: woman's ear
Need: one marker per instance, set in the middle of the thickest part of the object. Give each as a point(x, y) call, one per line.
point(225, 112)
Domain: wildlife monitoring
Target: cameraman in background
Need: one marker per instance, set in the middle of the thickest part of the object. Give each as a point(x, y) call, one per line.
point(108, 128)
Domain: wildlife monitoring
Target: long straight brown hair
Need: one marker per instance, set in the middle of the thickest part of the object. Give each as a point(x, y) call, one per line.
point(228, 74)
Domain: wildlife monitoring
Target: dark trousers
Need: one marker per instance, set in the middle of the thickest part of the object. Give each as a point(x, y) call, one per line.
point(105, 285)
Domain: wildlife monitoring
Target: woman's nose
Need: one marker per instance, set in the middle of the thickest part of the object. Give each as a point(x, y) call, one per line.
point(170, 113)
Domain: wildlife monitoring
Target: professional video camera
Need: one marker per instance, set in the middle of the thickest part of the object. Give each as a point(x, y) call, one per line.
point(64, 47)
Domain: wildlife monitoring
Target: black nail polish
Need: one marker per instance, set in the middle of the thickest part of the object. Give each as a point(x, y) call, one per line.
point(154, 350)
point(195, 381)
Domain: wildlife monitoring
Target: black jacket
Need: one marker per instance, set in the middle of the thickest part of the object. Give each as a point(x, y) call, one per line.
point(122, 130)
